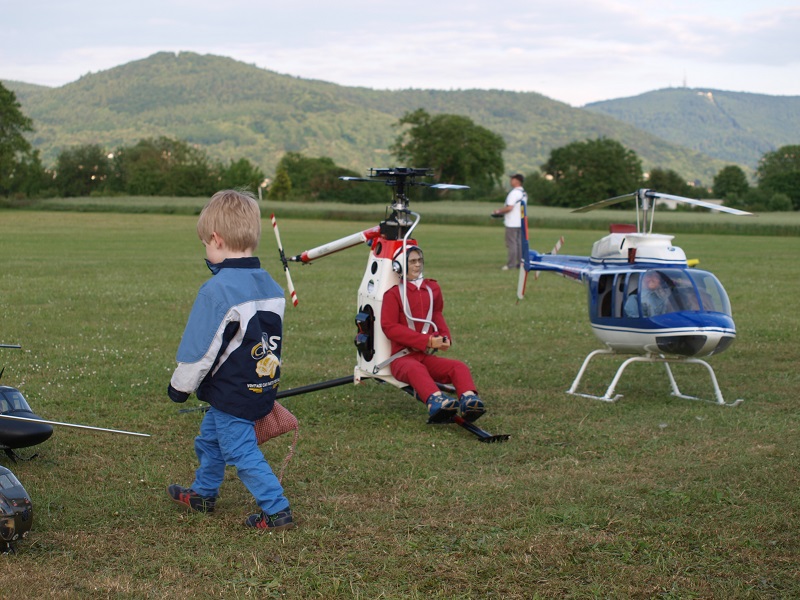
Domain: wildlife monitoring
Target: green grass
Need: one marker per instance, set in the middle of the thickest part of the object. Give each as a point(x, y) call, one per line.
point(650, 497)
point(444, 212)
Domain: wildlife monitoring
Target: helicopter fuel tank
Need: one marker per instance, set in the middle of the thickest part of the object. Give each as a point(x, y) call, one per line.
point(374, 348)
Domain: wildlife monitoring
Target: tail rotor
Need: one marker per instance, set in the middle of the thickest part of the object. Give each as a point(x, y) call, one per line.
point(284, 261)
point(523, 271)
point(555, 250)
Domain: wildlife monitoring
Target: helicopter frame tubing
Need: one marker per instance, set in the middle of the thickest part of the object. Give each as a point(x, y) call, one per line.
point(481, 434)
point(649, 358)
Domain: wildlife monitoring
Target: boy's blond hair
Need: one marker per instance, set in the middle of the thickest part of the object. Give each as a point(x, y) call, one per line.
point(235, 216)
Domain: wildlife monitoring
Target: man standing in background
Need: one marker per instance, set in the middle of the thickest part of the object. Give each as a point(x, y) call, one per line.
point(512, 219)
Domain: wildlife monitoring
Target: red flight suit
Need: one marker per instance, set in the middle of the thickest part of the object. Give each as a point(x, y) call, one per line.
point(418, 369)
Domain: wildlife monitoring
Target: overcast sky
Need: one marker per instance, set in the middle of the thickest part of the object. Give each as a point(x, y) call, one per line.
point(576, 51)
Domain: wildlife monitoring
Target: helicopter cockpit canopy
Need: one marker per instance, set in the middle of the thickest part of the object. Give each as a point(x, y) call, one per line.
point(12, 400)
point(645, 294)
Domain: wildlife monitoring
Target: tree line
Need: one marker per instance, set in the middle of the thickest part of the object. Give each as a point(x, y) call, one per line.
point(453, 146)
point(602, 168)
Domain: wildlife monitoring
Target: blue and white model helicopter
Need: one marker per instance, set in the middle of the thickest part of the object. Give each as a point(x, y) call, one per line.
point(644, 299)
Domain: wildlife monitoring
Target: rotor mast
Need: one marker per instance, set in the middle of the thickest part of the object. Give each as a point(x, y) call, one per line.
point(398, 224)
point(647, 207)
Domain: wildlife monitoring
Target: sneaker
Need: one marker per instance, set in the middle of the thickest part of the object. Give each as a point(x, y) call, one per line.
point(441, 408)
point(277, 522)
point(191, 499)
point(471, 407)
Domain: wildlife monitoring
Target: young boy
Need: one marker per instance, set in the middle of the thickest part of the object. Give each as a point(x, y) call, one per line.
point(420, 368)
point(230, 357)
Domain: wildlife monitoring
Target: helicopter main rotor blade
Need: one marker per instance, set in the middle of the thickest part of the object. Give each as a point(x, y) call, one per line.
point(604, 203)
point(438, 186)
point(709, 205)
point(447, 186)
point(16, 418)
point(361, 179)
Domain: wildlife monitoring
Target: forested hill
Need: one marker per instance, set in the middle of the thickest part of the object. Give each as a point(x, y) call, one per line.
point(234, 110)
point(736, 127)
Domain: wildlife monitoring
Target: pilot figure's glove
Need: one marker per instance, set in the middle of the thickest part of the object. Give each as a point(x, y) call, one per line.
point(176, 395)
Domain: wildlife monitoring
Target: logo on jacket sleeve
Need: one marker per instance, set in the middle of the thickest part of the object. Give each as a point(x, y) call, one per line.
point(268, 363)
point(268, 366)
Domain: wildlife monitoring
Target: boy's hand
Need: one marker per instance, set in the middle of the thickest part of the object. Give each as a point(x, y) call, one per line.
point(176, 395)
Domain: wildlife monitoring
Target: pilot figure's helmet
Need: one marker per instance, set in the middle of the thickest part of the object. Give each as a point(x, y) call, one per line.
point(400, 263)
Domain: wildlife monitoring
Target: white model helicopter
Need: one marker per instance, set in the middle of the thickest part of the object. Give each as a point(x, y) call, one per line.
point(386, 241)
point(644, 299)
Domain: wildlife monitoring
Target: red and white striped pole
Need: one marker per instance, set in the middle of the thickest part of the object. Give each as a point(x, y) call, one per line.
point(289, 283)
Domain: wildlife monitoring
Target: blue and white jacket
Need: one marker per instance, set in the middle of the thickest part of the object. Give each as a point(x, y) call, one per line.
point(230, 351)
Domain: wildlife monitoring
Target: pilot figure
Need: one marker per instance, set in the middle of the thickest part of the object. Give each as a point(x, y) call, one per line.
point(655, 295)
point(415, 341)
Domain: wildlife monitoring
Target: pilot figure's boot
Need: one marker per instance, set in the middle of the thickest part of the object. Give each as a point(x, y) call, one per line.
point(471, 407)
point(441, 408)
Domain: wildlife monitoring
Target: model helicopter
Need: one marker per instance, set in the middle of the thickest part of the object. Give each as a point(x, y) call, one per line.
point(16, 511)
point(20, 427)
point(387, 240)
point(644, 299)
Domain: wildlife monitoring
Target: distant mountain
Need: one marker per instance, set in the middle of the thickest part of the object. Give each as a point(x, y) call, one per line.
point(232, 110)
point(25, 90)
point(736, 127)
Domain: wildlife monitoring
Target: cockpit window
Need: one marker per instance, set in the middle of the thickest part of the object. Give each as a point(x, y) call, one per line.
point(12, 400)
point(631, 303)
point(667, 290)
point(8, 481)
point(662, 291)
point(712, 294)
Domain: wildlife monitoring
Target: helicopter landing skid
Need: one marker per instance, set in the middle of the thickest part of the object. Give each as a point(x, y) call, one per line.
point(14, 457)
point(482, 435)
point(651, 358)
point(7, 548)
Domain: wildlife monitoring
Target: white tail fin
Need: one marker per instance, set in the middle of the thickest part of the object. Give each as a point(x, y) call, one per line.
point(555, 250)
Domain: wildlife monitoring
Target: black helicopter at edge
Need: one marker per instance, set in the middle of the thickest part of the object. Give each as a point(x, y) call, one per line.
point(20, 427)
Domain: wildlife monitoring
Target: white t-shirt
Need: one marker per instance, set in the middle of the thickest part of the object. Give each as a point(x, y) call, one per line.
point(513, 217)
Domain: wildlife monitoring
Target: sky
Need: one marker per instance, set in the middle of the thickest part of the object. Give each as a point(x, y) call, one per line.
point(574, 51)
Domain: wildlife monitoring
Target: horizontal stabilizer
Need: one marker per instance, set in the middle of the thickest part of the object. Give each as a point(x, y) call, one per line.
point(566, 265)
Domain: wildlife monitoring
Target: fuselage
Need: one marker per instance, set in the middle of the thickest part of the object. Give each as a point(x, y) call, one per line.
point(20, 434)
point(16, 510)
point(644, 299)
point(665, 310)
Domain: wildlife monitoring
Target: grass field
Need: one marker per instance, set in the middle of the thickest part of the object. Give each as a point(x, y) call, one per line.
point(446, 212)
point(651, 497)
